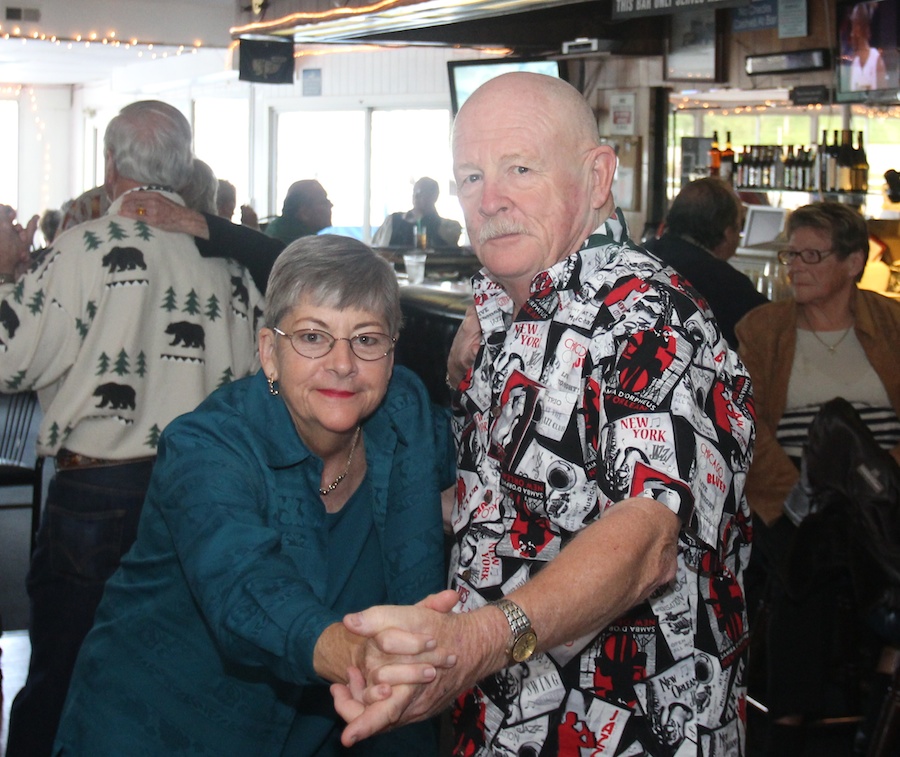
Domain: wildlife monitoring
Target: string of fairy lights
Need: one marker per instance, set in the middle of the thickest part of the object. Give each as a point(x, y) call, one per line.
point(867, 110)
point(142, 48)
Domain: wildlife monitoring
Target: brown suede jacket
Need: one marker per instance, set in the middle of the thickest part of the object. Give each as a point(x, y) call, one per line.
point(768, 337)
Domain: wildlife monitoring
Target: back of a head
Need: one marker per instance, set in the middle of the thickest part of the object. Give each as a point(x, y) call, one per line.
point(703, 210)
point(50, 223)
point(200, 192)
point(226, 198)
point(335, 271)
point(150, 143)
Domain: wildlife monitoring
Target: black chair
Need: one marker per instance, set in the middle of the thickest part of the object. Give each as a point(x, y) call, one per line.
point(19, 466)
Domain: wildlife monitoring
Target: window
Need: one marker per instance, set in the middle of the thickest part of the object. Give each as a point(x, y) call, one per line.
point(224, 149)
point(9, 137)
point(407, 145)
point(328, 146)
point(331, 147)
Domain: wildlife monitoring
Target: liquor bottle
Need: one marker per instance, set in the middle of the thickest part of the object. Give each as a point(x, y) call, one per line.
point(715, 156)
point(860, 167)
point(726, 170)
point(822, 163)
point(845, 162)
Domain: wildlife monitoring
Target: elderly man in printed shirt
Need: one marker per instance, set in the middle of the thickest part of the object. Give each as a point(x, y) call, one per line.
point(604, 435)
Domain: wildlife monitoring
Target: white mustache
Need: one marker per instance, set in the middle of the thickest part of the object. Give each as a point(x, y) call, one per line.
point(499, 227)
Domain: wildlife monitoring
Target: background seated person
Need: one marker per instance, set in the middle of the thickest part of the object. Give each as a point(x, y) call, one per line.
point(284, 501)
point(830, 340)
point(306, 211)
point(399, 229)
point(702, 232)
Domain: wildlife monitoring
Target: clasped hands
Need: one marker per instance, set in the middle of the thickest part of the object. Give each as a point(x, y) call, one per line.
point(415, 662)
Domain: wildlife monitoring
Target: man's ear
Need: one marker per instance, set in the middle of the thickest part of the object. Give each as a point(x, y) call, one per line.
point(603, 168)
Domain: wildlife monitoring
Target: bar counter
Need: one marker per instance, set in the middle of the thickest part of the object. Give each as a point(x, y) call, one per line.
point(432, 312)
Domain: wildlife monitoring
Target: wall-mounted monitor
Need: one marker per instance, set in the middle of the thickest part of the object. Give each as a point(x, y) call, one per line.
point(868, 63)
point(467, 75)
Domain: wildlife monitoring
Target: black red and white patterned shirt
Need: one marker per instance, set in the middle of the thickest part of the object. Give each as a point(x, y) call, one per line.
point(610, 382)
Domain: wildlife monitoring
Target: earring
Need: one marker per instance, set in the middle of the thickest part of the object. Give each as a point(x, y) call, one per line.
point(272, 388)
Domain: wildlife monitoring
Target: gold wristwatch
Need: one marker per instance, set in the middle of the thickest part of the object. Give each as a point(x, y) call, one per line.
point(523, 639)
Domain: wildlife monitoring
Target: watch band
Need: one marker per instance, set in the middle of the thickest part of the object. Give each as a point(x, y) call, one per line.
point(523, 639)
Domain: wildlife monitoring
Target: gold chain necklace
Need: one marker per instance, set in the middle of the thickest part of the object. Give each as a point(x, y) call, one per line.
point(333, 485)
point(831, 347)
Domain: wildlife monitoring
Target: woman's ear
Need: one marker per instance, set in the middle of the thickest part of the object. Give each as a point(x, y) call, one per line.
point(857, 261)
point(268, 357)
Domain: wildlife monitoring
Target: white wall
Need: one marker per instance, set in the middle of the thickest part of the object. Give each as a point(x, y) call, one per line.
point(170, 21)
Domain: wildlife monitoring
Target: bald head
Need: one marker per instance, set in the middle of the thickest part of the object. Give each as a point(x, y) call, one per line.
point(524, 94)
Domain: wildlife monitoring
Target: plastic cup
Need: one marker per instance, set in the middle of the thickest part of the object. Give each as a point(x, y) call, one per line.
point(415, 268)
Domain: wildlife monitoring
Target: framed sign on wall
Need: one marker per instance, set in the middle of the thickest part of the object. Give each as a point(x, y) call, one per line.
point(626, 186)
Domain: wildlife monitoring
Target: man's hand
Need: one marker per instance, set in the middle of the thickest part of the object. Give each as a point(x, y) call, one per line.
point(15, 242)
point(478, 638)
point(161, 213)
point(464, 348)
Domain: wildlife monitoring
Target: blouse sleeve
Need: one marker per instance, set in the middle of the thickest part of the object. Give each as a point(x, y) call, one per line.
point(259, 592)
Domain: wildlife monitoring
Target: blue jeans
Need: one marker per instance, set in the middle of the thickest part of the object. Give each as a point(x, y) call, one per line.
point(89, 521)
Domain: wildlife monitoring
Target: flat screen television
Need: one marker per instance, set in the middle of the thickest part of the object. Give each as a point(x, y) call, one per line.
point(868, 63)
point(467, 75)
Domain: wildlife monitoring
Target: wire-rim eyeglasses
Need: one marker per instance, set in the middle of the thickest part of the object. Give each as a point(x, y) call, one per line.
point(315, 343)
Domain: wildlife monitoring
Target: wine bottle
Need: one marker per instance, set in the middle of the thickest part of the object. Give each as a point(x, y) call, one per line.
point(726, 170)
point(822, 163)
point(845, 162)
point(860, 166)
point(715, 156)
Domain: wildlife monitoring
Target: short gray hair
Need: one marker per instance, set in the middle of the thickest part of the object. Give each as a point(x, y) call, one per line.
point(335, 271)
point(150, 143)
point(200, 192)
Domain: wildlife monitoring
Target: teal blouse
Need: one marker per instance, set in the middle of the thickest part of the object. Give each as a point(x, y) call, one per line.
point(203, 642)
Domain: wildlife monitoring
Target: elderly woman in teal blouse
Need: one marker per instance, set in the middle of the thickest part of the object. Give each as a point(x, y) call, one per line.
point(281, 503)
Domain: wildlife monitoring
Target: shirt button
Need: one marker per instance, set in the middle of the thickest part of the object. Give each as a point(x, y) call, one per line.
point(466, 574)
point(495, 411)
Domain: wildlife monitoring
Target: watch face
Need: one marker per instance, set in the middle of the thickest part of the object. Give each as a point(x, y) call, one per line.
point(523, 647)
